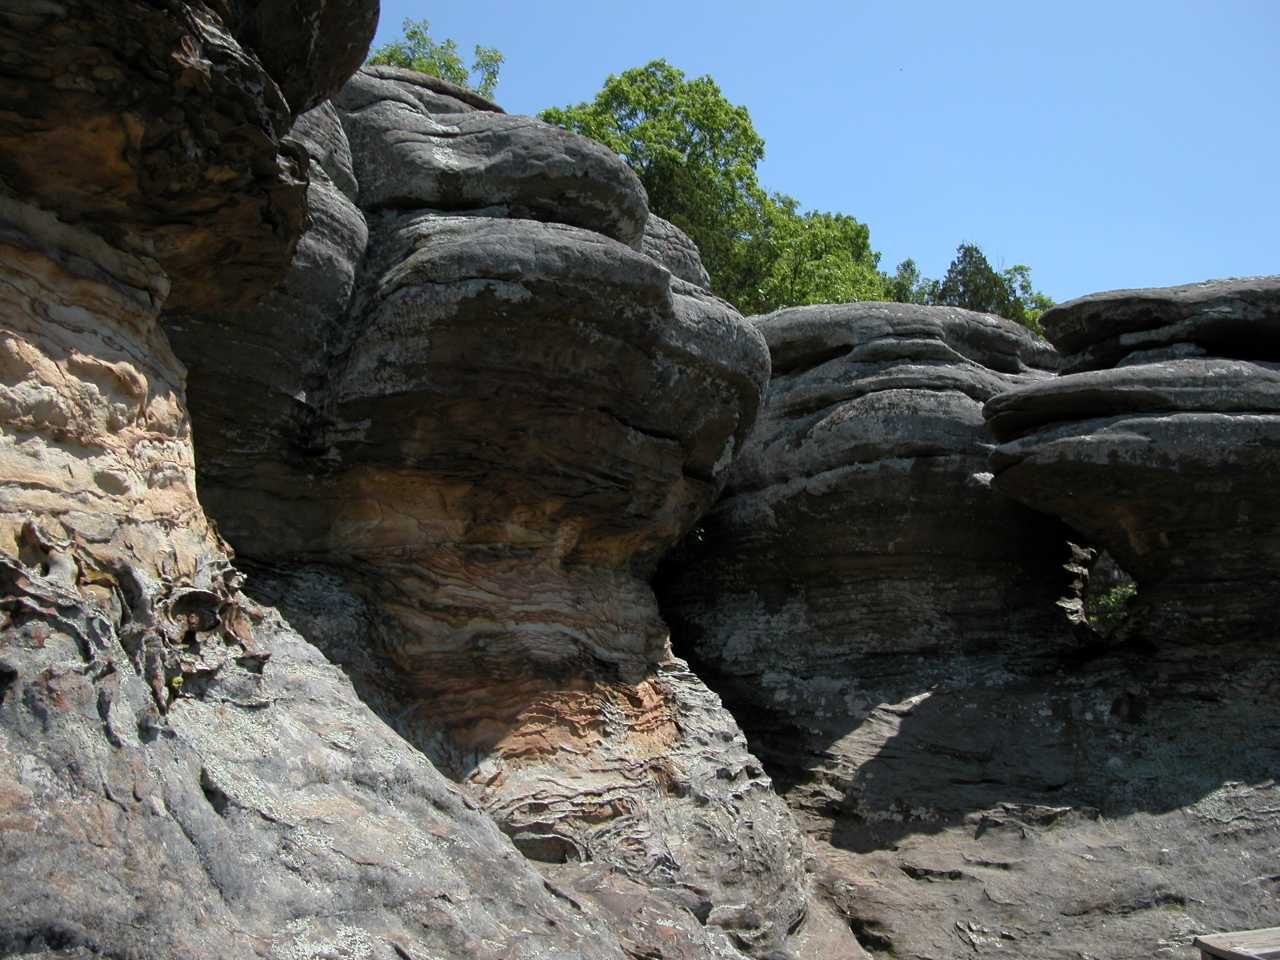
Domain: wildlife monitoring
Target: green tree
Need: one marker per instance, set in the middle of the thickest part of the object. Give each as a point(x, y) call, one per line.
point(908, 286)
point(417, 51)
point(695, 153)
point(816, 257)
point(971, 282)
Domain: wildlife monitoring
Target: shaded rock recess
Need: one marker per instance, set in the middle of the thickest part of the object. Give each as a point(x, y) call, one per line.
point(976, 770)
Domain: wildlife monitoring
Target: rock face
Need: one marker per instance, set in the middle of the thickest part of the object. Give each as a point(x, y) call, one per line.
point(671, 247)
point(411, 156)
point(484, 442)
point(973, 778)
point(1158, 449)
point(181, 774)
point(823, 580)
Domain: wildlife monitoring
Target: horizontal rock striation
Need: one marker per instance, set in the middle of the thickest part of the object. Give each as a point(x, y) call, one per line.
point(410, 156)
point(1157, 449)
point(181, 774)
point(858, 542)
point(484, 443)
point(971, 782)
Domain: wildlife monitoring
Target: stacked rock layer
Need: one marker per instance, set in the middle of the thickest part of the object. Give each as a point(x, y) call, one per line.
point(181, 773)
point(1157, 446)
point(973, 776)
point(826, 577)
point(472, 419)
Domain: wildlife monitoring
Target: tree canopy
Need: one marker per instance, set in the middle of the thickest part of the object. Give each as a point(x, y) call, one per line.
point(697, 154)
point(416, 50)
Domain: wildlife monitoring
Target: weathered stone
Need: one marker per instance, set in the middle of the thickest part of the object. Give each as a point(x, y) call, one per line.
point(823, 574)
point(257, 377)
point(435, 93)
point(180, 773)
point(671, 247)
point(1162, 459)
point(408, 157)
point(1236, 318)
point(1165, 465)
point(321, 134)
point(152, 127)
point(524, 417)
point(311, 48)
point(971, 782)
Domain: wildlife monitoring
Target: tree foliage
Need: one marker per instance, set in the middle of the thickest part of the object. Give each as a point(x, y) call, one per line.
point(697, 154)
point(416, 50)
point(971, 282)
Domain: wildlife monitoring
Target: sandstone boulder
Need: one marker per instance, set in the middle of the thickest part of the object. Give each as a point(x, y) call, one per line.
point(1162, 458)
point(671, 247)
point(408, 156)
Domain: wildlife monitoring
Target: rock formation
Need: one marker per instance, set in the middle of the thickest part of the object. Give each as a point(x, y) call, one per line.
point(973, 777)
point(823, 580)
point(452, 394)
point(181, 773)
point(482, 439)
point(1157, 447)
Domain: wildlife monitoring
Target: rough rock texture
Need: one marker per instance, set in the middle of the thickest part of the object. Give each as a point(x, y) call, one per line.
point(167, 139)
point(310, 49)
point(671, 247)
point(1029, 795)
point(487, 449)
point(823, 580)
point(1164, 457)
point(1225, 318)
point(410, 156)
point(181, 774)
point(258, 374)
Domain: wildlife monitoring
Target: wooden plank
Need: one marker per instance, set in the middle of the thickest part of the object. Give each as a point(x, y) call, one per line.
point(1242, 945)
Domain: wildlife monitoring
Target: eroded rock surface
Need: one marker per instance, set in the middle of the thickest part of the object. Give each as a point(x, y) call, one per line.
point(1160, 449)
point(826, 578)
point(973, 779)
point(181, 774)
point(515, 416)
point(411, 156)
point(671, 247)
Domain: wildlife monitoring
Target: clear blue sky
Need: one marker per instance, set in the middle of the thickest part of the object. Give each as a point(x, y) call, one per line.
point(1118, 144)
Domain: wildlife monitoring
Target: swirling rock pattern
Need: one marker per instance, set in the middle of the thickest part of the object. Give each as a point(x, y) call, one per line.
point(492, 443)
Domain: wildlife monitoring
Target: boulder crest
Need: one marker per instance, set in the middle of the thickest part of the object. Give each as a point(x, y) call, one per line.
point(1156, 449)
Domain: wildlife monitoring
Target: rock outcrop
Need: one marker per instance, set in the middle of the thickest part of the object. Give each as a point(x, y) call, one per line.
point(452, 394)
point(485, 442)
point(826, 580)
point(181, 773)
point(973, 777)
point(671, 247)
point(1159, 447)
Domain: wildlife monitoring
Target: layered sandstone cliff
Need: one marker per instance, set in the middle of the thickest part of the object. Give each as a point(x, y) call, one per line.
point(181, 773)
point(978, 775)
